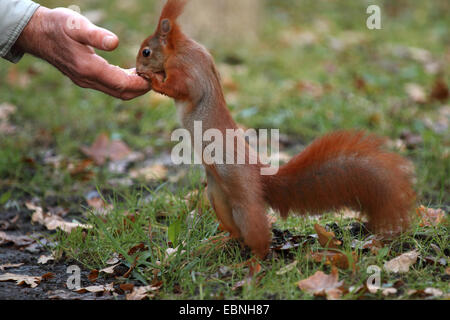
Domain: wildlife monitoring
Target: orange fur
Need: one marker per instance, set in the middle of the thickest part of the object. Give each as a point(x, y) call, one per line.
point(172, 10)
point(340, 169)
point(346, 169)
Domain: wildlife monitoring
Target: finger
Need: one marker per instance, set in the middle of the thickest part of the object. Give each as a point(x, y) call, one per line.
point(116, 78)
point(82, 30)
point(89, 84)
point(120, 95)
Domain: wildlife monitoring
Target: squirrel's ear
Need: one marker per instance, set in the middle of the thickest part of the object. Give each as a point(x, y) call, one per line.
point(165, 27)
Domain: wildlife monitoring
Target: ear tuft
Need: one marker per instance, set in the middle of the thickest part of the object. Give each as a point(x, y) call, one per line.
point(166, 26)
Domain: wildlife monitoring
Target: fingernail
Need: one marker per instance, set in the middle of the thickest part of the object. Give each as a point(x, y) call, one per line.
point(108, 42)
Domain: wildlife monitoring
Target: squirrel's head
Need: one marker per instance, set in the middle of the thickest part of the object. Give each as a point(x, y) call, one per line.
point(158, 47)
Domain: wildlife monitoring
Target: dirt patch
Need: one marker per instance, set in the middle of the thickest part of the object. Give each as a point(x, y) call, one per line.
point(17, 223)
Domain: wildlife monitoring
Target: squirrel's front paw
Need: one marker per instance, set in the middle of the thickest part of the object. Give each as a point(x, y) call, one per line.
point(156, 77)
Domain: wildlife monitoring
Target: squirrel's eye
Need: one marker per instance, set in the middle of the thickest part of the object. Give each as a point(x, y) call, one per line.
point(146, 52)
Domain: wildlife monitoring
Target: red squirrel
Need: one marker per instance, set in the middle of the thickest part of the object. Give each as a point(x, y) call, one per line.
point(342, 169)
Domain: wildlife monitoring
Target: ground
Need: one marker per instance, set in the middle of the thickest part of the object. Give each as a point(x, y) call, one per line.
point(313, 67)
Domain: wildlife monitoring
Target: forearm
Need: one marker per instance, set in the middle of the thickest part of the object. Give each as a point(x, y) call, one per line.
point(14, 17)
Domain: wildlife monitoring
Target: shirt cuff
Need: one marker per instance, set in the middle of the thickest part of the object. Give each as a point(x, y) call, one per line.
point(8, 51)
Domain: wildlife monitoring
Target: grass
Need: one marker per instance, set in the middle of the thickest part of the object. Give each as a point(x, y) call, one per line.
point(360, 86)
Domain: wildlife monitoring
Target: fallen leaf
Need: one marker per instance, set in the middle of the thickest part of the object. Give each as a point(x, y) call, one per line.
point(103, 149)
point(51, 221)
point(433, 292)
point(152, 173)
point(440, 90)
point(93, 275)
point(110, 269)
point(425, 292)
point(99, 205)
point(287, 268)
point(19, 241)
point(97, 289)
point(113, 260)
point(63, 295)
point(327, 239)
point(81, 170)
point(388, 291)
point(48, 275)
point(138, 248)
point(43, 259)
point(254, 268)
point(402, 263)
point(429, 216)
point(372, 244)
point(127, 286)
point(140, 293)
point(416, 92)
point(6, 110)
point(17, 78)
point(20, 279)
point(359, 82)
point(10, 265)
point(334, 258)
point(321, 284)
point(313, 89)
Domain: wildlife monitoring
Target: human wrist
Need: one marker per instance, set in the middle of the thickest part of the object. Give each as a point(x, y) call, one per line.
point(34, 32)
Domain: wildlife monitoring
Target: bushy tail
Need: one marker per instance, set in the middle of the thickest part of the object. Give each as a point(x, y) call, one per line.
point(346, 169)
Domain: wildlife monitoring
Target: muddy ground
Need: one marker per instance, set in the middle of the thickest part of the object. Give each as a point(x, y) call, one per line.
point(16, 253)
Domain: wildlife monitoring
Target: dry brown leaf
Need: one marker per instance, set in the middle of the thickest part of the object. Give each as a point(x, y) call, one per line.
point(138, 248)
point(51, 221)
point(6, 110)
point(81, 169)
point(440, 90)
point(152, 173)
point(287, 268)
point(113, 260)
point(48, 275)
point(140, 293)
point(433, 292)
point(429, 216)
point(99, 205)
point(401, 263)
point(127, 287)
point(425, 293)
point(388, 291)
point(315, 90)
point(327, 239)
point(110, 270)
point(20, 279)
point(103, 149)
point(18, 78)
point(371, 243)
point(97, 289)
point(19, 241)
point(334, 258)
point(254, 268)
point(416, 92)
point(43, 259)
point(93, 275)
point(321, 284)
point(10, 265)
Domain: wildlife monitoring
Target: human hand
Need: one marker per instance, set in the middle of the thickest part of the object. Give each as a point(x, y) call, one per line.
point(64, 38)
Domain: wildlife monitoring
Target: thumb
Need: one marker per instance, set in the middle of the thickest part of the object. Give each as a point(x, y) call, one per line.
point(82, 30)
